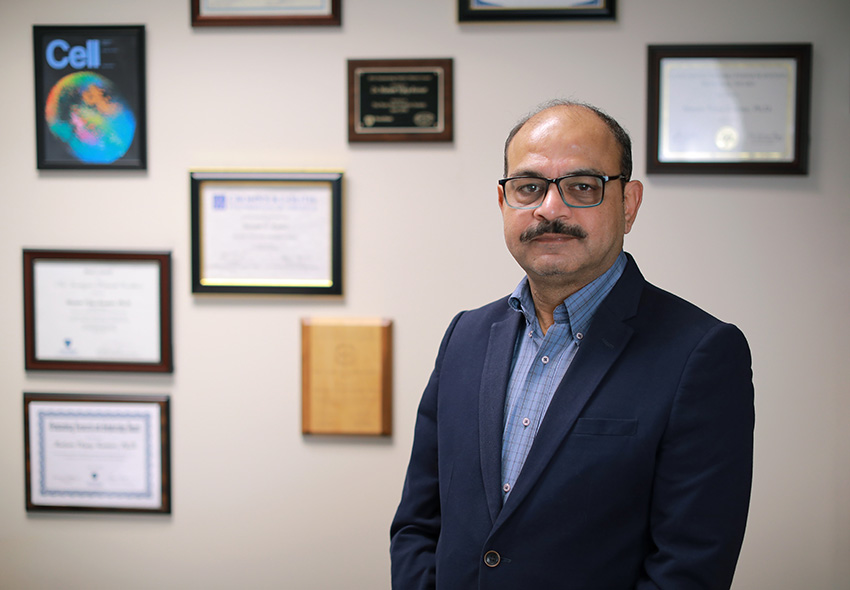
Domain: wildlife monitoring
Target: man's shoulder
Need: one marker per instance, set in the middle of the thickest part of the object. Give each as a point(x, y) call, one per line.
point(491, 312)
point(659, 303)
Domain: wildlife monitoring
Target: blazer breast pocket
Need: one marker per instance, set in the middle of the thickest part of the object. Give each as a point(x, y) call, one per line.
point(606, 426)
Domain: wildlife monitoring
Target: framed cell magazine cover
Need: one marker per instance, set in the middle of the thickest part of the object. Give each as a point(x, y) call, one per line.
point(90, 107)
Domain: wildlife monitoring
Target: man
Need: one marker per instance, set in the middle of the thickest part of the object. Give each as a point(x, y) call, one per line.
point(590, 431)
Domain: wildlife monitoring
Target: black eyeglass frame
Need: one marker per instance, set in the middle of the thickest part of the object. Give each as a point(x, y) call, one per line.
point(557, 183)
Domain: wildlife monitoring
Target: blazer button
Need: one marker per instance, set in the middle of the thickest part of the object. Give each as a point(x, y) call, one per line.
point(492, 558)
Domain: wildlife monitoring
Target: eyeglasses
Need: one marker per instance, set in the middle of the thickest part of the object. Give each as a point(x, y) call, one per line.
point(577, 190)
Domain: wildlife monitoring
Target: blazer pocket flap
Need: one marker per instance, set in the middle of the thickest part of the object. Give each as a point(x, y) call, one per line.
point(606, 426)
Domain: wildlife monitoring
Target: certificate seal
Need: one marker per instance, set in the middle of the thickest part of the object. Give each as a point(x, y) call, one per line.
point(726, 138)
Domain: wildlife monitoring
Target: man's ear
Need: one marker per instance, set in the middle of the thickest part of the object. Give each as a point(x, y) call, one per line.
point(632, 198)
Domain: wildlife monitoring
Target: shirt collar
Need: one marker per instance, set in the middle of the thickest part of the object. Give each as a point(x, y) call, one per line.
point(578, 309)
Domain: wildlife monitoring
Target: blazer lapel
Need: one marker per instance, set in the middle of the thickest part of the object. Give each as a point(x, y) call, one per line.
point(491, 405)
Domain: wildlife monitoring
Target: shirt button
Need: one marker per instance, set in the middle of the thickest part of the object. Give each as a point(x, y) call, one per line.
point(506, 488)
point(579, 335)
point(492, 558)
point(544, 360)
point(526, 421)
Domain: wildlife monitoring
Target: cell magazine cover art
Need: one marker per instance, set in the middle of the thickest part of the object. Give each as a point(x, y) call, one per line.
point(90, 97)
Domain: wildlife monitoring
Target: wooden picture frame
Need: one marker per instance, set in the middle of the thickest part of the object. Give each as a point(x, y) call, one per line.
point(233, 13)
point(97, 453)
point(87, 310)
point(728, 109)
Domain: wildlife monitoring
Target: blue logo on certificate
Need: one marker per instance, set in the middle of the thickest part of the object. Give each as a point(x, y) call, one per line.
point(219, 201)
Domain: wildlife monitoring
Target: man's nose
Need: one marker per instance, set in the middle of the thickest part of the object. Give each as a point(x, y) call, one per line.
point(553, 206)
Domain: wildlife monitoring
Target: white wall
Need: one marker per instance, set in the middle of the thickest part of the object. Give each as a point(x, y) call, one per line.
point(256, 504)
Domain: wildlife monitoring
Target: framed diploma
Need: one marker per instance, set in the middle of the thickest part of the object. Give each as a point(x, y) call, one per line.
point(90, 97)
point(346, 376)
point(267, 232)
point(400, 100)
point(729, 109)
point(265, 13)
point(97, 453)
point(515, 10)
point(97, 311)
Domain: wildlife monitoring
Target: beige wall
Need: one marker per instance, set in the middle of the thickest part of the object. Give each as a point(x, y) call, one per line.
point(257, 505)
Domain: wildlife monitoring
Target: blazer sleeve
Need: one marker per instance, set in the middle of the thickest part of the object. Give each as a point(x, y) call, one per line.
point(416, 525)
point(704, 469)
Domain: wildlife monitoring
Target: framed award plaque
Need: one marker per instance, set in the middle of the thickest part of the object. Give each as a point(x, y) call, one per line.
point(400, 100)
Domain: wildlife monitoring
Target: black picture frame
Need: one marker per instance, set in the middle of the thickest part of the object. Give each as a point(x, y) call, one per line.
point(73, 443)
point(476, 11)
point(265, 16)
point(47, 344)
point(267, 232)
point(729, 109)
point(90, 104)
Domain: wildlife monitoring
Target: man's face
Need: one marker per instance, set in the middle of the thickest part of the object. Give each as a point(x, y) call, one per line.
point(560, 141)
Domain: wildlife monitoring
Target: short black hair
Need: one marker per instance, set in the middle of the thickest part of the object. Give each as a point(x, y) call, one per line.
point(620, 134)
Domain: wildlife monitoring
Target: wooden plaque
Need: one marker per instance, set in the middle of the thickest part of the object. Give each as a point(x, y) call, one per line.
point(346, 376)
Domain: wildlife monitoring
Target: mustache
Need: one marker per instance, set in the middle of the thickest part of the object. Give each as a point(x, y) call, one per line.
point(552, 227)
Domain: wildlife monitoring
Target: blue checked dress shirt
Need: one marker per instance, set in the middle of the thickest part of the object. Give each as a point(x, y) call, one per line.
point(540, 363)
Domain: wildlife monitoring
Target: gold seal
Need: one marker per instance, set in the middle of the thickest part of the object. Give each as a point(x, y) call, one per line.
point(726, 138)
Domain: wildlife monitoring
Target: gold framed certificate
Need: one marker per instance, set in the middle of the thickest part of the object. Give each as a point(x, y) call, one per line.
point(729, 109)
point(97, 452)
point(267, 232)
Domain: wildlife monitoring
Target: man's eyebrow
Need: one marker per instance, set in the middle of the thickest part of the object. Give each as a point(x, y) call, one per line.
point(578, 172)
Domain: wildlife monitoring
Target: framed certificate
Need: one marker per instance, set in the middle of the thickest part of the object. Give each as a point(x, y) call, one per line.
point(97, 311)
point(400, 100)
point(265, 13)
point(729, 109)
point(267, 232)
point(97, 453)
point(90, 97)
point(515, 10)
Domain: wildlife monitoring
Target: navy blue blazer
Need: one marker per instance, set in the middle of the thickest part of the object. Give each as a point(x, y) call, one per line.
point(639, 476)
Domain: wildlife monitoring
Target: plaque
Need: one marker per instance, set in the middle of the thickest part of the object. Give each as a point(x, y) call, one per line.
point(346, 376)
point(400, 100)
